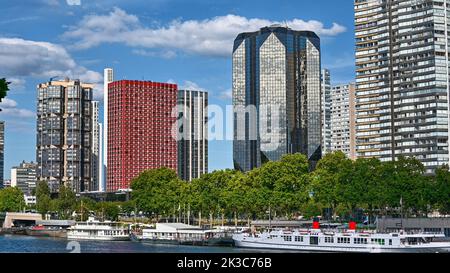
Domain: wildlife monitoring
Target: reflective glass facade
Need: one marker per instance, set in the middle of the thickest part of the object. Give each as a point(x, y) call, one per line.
point(276, 96)
point(402, 80)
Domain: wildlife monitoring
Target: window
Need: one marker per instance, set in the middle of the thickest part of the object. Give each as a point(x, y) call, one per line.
point(342, 240)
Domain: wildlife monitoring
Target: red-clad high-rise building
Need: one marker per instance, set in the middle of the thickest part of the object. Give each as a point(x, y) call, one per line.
point(140, 125)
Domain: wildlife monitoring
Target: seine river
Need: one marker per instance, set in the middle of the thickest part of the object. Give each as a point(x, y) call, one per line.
point(28, 244)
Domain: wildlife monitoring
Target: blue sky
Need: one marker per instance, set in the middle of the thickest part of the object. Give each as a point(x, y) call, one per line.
point(188, 42)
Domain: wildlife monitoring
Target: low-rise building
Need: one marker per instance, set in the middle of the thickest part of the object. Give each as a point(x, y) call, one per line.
point(24, 177)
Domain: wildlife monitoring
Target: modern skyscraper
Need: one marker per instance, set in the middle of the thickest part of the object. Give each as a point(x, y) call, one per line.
point(276, 96)
point(64, 134)
point(24, 177)
point(108, 77)
point(97, 142)
point(2, 152)
point(326, 111)
point(402, 80)
point(193, 134)
point(141, 118)
point(343, 119)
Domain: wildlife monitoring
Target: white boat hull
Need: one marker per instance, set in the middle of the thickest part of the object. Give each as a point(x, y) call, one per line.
point(98, 238)
point(255, 243)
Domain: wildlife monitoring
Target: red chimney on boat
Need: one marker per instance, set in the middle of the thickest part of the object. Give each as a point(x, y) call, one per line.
point(316, 225)
point(352, 226)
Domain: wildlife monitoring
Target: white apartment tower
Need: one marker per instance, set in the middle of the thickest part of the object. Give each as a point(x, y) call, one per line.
point(343, 119)
point(402, 80)
point(108, 77)
point(97, 142)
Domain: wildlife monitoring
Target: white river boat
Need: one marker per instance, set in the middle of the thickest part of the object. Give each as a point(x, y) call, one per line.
point(316, 240)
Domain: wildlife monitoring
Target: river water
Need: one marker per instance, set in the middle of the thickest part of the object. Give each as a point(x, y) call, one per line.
point(28, 244)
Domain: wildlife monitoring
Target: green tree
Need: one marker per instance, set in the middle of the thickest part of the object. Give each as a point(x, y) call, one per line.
point(332, 175)
point(3, 88)
point(11, 200)
point(108, 210)
point(66, 202)
point(441, 194)
point(43, 199)
point(208, 190)
point(85, 207)
point(366, 185)
point(153, 191)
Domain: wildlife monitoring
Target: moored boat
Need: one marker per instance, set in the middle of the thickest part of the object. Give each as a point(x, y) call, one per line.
point(100, 231)
point(179, 233)
point(316, 240)
point(40, 231)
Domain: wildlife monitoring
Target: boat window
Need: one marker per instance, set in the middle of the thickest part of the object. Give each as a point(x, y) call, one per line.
point(287, 238)
point(329, 240)
point(360, 241)
point(299, 238)
point(343, 240)
point(447, 232)
point(433, 230)
point(390, 242)
point(313, 240)
point(378, 241)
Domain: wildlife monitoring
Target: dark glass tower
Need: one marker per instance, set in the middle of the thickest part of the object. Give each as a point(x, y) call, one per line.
point(276, 96)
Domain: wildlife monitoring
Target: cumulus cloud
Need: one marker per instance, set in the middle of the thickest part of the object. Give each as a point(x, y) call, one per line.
point(165, 54)
point(211, 37)
point(189, 85)
point(24, 58)
point(10, 109)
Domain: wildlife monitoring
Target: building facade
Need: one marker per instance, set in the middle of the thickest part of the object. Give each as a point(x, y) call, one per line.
point(192, 141)
point(141, 116)
point(24, 177)
point(276, 96)
point(108, 77)
point(326, 111)
point(64, 134)
point(2, 153)
point(402, 80)
point(343, 119)
point(96, 153)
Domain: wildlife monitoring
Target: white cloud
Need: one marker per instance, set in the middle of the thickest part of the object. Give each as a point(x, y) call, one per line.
point(8, 103)
point(73, 2)
point(10, 109)
point(211, 37)
point(188, 85)
point(165, 54)
point(23, 58)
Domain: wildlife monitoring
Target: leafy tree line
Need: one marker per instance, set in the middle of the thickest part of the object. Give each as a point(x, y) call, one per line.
point(287, 189)
point(68, 206)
